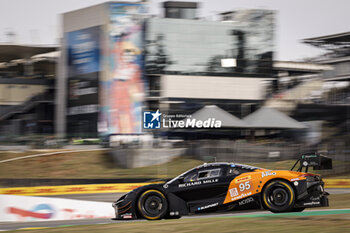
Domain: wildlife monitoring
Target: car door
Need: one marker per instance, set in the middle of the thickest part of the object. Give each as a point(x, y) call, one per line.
point(203, 183)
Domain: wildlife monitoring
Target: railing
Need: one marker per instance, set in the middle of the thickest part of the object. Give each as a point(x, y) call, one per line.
point(46, 96)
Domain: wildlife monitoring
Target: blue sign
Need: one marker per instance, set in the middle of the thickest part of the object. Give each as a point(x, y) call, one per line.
point(127, 8)
point(83, 51)
point(151, 120)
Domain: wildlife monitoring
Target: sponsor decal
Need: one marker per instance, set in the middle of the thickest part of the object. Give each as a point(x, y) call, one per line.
point(268, 173)
point(314, 198)
point(312, 203)
point(198, 183)
point(243, 179)
point(246, 201)
point(126, 216)
point(210, 181)
point(242, 187)
point(233, 192)
point(294, 179)
point(190, 184)
point(208, 206)
point(41, 211)
point(242, 196)
point(308, 156)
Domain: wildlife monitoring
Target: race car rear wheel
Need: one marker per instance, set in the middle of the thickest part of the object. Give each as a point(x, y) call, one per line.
point(278, 196)
point(152, 204)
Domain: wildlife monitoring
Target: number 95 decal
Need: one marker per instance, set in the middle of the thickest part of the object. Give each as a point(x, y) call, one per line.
point(244, 186)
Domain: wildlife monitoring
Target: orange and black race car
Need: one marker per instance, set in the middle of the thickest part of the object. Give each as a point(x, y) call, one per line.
point(229, 186)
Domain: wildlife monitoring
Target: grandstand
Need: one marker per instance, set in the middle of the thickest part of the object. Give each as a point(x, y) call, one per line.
point(27, 76)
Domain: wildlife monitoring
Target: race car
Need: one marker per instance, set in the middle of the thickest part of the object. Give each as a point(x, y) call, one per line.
point(228, 186)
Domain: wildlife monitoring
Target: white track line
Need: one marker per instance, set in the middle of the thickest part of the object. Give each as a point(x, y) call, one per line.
point(51, 153)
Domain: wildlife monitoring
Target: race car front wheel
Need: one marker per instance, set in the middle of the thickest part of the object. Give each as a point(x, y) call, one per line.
point(278, 196)
point(152, 204)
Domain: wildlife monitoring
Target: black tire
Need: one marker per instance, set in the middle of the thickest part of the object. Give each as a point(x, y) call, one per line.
point(152, 204)
point(278, 196)
point(298, 209)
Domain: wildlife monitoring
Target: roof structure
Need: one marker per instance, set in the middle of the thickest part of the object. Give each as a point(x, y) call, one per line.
point(227, 120)
point(269, 118)
point(339, 43)
point(306, 67)
point(333, 38)
point(10, 52)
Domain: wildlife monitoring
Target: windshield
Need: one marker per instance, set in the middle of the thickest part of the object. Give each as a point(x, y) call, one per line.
point(181, 175)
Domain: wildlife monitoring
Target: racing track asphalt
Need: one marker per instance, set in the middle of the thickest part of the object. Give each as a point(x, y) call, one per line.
point(113, 197)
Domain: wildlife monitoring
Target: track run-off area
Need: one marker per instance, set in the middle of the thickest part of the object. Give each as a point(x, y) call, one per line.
point(244, 214)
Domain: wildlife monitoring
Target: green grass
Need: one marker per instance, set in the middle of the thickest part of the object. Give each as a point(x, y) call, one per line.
point(310, 224)
point(94, 164)
point(345, 175)
point(98, 164)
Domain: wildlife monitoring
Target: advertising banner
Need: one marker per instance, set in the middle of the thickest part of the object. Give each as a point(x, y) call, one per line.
point(83, 81)
point(122, 90)
point(83, 51)
point(29, 209)
point(71, 189)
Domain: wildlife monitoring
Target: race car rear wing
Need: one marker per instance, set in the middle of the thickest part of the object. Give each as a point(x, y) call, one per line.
point(314, 160)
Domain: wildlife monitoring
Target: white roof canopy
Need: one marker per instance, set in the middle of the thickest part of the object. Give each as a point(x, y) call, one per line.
point(270, 118)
